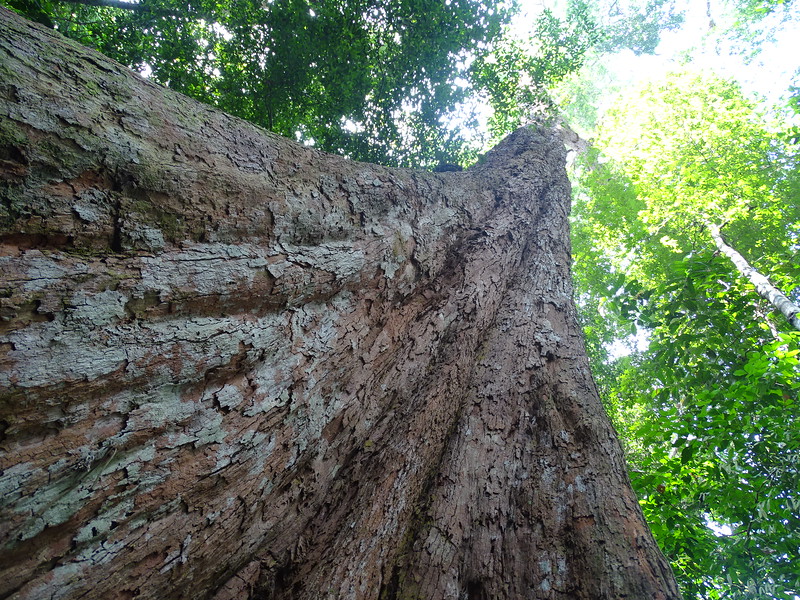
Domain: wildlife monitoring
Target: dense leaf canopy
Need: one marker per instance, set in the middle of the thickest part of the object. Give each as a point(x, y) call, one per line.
point(710, 407)
point(390, 81)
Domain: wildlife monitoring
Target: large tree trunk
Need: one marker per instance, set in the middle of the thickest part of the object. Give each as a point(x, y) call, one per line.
point(236, 367)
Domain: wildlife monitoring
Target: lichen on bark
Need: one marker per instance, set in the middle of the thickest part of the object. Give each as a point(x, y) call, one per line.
point(236, 367)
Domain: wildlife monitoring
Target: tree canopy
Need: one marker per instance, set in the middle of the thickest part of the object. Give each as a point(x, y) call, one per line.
point(389, 81)
point(710, 407)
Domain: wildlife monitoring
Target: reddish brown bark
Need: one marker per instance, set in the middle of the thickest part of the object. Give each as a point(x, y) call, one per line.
point(235, 367)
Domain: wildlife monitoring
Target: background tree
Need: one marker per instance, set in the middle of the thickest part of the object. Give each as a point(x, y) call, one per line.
point(710, 407)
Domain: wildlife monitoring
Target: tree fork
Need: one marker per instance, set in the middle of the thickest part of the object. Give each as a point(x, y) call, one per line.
point(237, 367)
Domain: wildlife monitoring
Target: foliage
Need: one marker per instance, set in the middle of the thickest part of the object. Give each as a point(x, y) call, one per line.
point(718, 415)
point(754, 10)
point(694, 150)
point(710, 408)
point(747, 26)
point(516, 78)
point(389, 81)
point(637, 26)
point(399, 82)
point(340, 73)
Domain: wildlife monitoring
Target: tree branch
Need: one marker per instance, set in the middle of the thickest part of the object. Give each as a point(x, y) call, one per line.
point(763, 286)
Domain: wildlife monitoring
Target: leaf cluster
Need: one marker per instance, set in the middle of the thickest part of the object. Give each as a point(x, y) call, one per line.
point(709, 408)
point(517, 76)
point(638, 26)
point(396, 82)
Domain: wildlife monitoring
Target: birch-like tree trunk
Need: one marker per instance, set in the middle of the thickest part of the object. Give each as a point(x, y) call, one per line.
point(763, 286)
point(234, 367)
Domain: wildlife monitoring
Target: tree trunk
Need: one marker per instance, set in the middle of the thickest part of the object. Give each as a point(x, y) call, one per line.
point(763, 286)
point(236, 367)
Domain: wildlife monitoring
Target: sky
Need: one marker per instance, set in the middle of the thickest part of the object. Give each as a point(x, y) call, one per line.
point(768, 75)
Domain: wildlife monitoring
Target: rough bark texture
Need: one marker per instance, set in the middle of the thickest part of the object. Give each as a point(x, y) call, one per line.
point(235, 367)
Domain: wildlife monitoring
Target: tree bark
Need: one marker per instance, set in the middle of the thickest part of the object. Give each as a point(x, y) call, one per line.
point(763, 286)
point(236, 367)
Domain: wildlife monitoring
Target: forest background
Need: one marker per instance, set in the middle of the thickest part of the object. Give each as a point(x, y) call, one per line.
point(684, 121)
